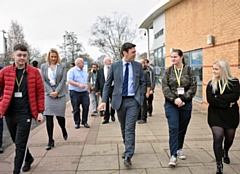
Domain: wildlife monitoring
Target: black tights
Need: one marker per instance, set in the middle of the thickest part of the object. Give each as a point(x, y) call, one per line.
point(50, 125)
point(219, 134)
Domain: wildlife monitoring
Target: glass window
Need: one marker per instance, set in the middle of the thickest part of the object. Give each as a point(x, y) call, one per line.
point(194, 59)
point(186, 58)
point(159, 62)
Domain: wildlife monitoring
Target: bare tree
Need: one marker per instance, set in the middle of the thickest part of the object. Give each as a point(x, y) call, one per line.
point(34, 54)
point(70, 49)
point(15, 36)
point(100, 60)
point(88, 59)
point(110, 33)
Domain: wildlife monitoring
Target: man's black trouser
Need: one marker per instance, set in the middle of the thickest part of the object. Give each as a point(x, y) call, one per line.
point(1, 131)
point(109, 110)
point(19, 125)
point(144, 109)
point(149, 103)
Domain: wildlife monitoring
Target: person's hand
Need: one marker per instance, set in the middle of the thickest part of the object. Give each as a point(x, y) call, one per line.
point(88, 91)
point(40, 118)
point(54, 94)
point(231, 104)
point(102, 106)
point(81, 86)
point(178, 101)
point(92, 88)
point(181, 104)
point(147, 95)
point(97, 93)
point(151, 92)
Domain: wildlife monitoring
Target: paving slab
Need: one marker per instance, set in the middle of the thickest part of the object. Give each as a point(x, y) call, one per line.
point(98, 150)
point(103, 162)
point(47, 164)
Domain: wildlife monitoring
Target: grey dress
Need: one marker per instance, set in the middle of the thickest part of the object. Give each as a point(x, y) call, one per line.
point(55, 106)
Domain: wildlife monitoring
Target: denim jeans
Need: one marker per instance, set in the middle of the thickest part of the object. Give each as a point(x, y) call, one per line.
point(178, 120)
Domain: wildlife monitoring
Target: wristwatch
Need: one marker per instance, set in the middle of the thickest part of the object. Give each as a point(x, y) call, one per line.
point(40, 112)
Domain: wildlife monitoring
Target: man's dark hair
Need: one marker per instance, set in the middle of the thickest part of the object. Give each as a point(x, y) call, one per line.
point(95, 64)
point(127, 46)
point(20, 47)
point(146, 60)
point(35, 63)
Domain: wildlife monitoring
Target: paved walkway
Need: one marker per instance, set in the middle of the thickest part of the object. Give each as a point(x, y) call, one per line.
point(98, 150)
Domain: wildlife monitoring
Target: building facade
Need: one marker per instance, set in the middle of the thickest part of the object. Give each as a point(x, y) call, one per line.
point(206, 31)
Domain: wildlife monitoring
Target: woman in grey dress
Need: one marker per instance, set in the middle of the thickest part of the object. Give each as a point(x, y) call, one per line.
point(54, 79)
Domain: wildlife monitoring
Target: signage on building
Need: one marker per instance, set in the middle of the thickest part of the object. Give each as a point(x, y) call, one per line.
point(159, 33)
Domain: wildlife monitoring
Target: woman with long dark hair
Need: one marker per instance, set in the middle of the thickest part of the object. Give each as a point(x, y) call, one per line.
point(179, 86)
point(223, 112)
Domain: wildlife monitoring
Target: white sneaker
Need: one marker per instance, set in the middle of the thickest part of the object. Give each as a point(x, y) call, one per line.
point(173, 161)
point(181, 154)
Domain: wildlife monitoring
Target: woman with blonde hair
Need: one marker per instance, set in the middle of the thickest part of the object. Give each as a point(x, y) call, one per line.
point(223, 111)
point(54, 78)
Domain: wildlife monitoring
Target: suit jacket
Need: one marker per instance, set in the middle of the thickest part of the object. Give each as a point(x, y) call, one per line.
point(100, 81)
point(116, 74)
point(61, 76)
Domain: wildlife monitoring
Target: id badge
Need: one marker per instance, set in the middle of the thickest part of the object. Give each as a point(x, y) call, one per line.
point(18, 94)
point(180, 91)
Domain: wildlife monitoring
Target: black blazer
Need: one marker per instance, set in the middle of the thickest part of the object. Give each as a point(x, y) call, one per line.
point(100, 81)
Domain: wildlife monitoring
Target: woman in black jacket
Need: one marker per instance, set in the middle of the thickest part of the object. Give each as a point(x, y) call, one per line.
point(223, 111)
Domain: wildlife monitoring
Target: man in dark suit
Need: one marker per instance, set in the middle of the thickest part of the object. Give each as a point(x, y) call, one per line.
point(127, 97)
point(101, 77)
point(152, 80)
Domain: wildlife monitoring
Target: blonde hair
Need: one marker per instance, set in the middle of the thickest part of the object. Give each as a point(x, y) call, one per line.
point(53, 50)
point(225, 75)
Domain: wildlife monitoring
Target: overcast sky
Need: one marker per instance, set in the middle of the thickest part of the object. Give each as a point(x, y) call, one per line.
point(45, 21)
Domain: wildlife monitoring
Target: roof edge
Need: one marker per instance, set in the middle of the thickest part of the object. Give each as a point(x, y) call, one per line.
point(159, 8)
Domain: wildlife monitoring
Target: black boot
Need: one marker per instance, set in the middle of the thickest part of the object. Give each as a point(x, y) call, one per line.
point(50, 144)
point(219, 167)
point(65, 134)
point(226, 158)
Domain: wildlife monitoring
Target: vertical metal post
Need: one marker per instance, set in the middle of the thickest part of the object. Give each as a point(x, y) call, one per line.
point(4, 48)
point(148, 45)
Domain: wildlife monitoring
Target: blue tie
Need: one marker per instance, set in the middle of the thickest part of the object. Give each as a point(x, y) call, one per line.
point(125, 81)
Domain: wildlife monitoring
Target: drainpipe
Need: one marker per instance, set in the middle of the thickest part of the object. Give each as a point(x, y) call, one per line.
point(148, 45)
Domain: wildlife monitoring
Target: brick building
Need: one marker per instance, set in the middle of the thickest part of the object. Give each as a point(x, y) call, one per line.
point(205, 30)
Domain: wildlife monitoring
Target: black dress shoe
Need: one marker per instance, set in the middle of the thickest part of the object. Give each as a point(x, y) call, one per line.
point(86, 125)
point(77, 126)
point(1, 150)
point(123, 156)
point(27, 165)
point(113, 118)
point(50, 145)
point(105, 122)
point(127, 162)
